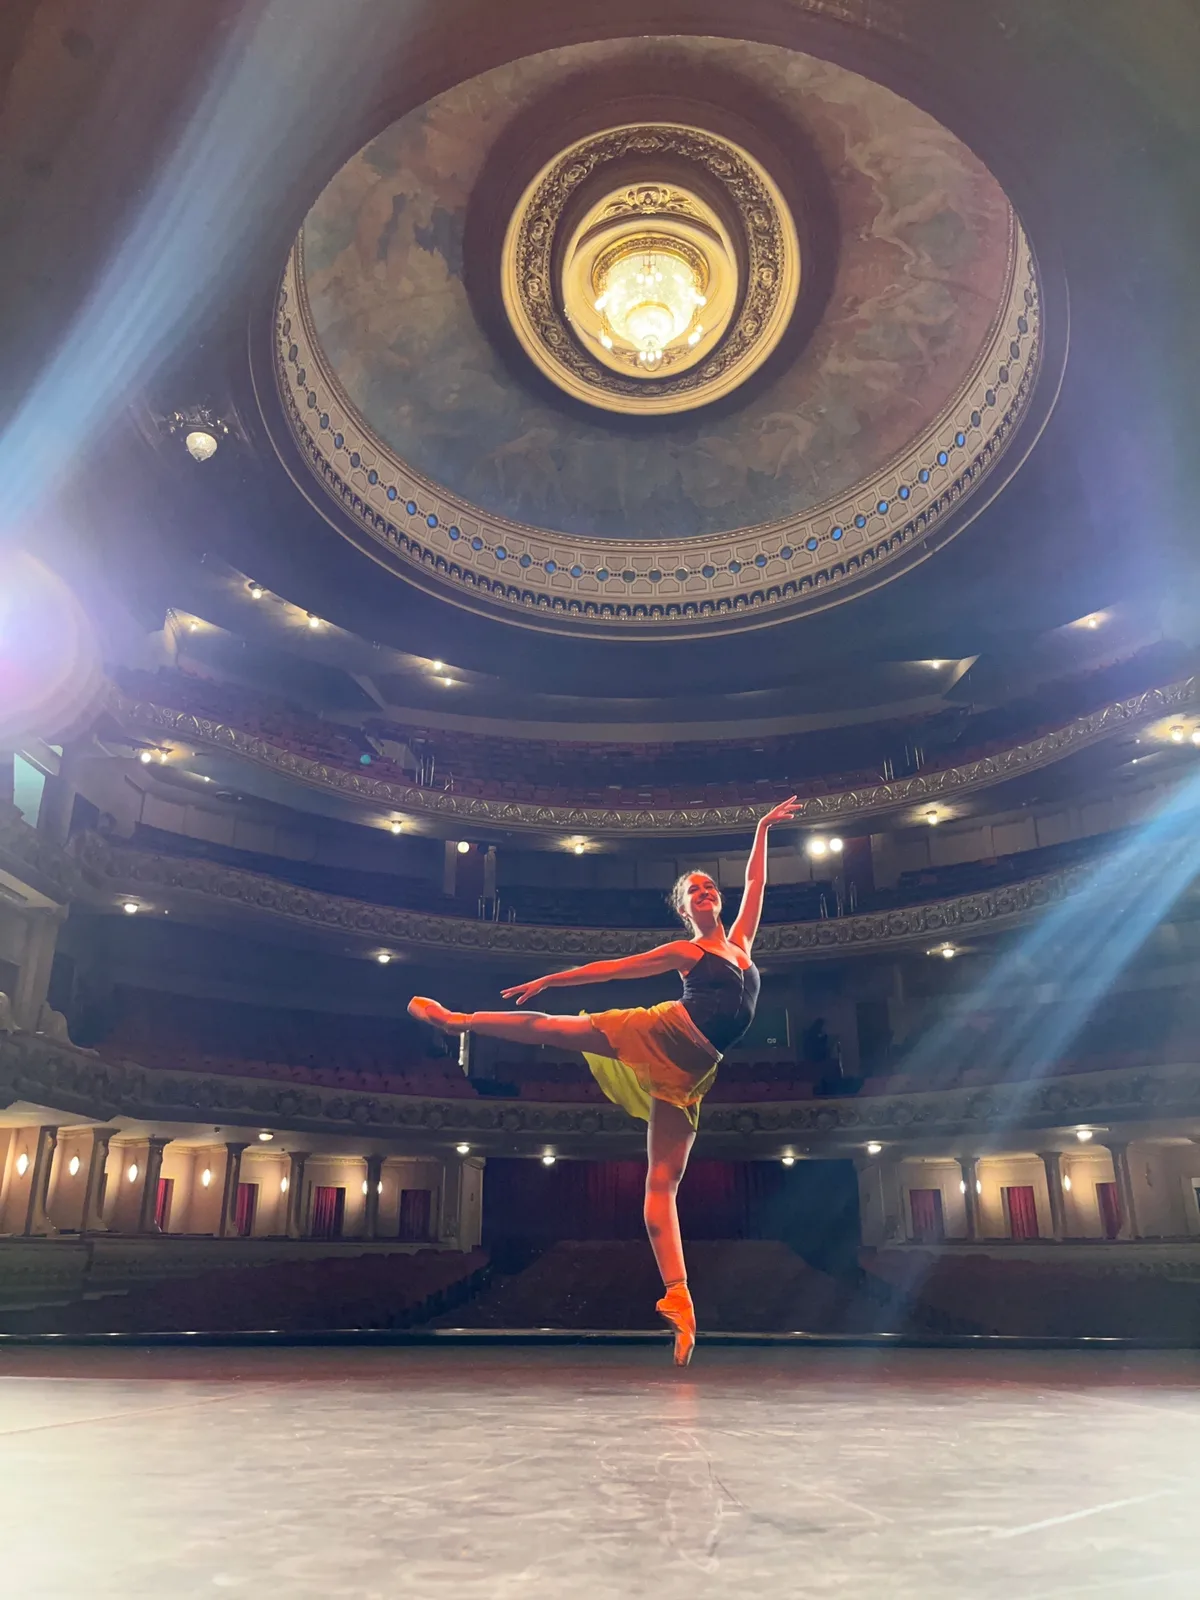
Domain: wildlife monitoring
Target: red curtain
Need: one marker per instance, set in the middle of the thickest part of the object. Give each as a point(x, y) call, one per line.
point(1110, 1209)
point(415, 1213)
point(247, 1203)
point(162, 1203)
point(928, 1224)
point(328, 1210)
point(1022, 1211)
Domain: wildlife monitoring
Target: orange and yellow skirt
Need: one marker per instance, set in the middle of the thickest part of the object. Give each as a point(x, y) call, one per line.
point(658, 1053)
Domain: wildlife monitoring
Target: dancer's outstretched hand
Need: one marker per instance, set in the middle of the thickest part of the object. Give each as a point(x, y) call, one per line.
point(783, 812)
point(520, 992)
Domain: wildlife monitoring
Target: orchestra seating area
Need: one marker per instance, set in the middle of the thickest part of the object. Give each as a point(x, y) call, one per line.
point(682, 773)
point(1055, 1298)
point(389, 1289)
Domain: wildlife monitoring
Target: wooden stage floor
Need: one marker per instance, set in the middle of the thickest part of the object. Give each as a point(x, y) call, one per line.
point(519, 1472)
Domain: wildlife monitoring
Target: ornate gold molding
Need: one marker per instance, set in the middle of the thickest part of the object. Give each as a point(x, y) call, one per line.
point(128, 871)
point(845, 806)
point(79, 1083)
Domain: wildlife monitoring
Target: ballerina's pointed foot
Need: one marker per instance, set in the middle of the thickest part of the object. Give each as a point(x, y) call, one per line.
point(436, 1016)
point(678, 1312)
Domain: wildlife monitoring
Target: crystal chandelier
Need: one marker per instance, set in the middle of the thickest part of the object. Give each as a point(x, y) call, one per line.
point(650, 299)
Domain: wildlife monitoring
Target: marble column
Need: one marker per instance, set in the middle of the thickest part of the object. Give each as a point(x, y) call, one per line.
point(1119, 1150)
point(93, 1195)
point(233, 1176)
point(1052, 1161)
point(149, 1202)
point(969, 1166)
point(36, 1220)
point(33, 981)
point(371, 1211)
point(297, 1161)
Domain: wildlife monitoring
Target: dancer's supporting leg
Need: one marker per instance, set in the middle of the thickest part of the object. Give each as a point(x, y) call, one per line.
point(519, 1027)
point(669, 1141)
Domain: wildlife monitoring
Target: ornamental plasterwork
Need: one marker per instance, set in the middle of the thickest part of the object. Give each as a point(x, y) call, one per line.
point(845, 806)
point(676, 585)
point(129, 871)
point(81, 1084)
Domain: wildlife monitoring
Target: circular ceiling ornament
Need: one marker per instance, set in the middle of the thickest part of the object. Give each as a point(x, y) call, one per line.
point(650, 268)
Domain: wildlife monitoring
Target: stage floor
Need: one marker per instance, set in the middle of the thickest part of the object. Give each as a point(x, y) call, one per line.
point(598, 1471)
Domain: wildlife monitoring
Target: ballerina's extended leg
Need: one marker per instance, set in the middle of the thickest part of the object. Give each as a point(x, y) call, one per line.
point(518, 1027)
point(669, 1142)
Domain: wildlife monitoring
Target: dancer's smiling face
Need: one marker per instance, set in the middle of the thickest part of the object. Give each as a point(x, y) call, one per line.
point(700, 901)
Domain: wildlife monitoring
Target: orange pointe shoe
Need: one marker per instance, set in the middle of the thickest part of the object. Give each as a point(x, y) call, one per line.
point(436, 1016)
point(678, 1312)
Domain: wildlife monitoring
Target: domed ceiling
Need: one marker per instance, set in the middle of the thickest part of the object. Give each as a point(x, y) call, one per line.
point(706, 356)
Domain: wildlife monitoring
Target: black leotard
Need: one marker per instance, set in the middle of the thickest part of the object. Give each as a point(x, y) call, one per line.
point(720, 998)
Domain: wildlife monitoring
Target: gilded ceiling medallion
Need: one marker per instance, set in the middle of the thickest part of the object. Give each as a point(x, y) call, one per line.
point(650, 269)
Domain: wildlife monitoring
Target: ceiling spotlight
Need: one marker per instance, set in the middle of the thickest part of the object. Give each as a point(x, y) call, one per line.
point(579, 849)
point(22, 1164)
point(449, 682)
point(1177, 734)
point(161, 757)
point(462, 847)
point(463, 1149)
point(817, 848)
point(133, 1172)
point(383, 957)
point(1092, 622)
point(206, 1177)
point(439, 666)
point(836, 846)
point(948, 952)
point(1196, 735)
point(200, 444)
point(1084, 1135)
point(193, 626)
point(788, 1161)
point(935, 664)
point(204, 778)
point(932, 817)
point(266, 1137)
point(257, 591)
point(548, 1160)
point(395, 826)
point(314, 622)
point(874, 1147)
point(131, 908)
point(146, 757)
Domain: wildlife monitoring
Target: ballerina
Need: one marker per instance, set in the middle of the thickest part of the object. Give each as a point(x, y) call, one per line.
point(657, 1062)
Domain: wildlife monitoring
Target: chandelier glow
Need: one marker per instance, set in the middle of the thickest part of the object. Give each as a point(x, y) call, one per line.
point(649, 298)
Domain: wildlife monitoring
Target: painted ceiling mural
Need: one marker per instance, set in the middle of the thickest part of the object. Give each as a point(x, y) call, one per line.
point(922, 278)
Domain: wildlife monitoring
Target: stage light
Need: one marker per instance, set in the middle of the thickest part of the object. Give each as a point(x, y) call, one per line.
point(1084, 1135)
point(788, 1161)
point(548, 1160)
point(133, 1172)
point(932, 818)
point(131, 908)
point(396, 827)
point(462, 847)
point(383, 957)
point(463, 1149)
point(817, 848)
point(836, 846)
point(22, 1164)
point(314, 622)
point(206, 1177)
point(1176, 734)
point(874, 1148)
point(200, 444)
point(73, 1165)
point(283, 1186)
point(1067, 1183)
point(266, 1137)
point(146, 757)
point(257, 591)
